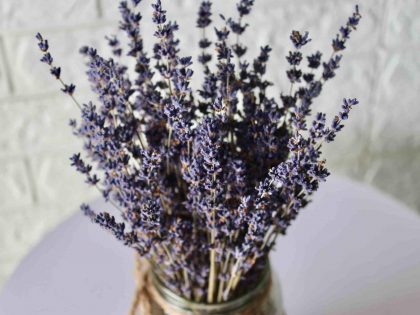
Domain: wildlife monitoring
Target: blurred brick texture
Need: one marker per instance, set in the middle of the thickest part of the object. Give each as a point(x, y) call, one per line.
point(380, 144)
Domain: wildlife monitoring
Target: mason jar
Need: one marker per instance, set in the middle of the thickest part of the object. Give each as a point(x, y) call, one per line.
point(264, 299)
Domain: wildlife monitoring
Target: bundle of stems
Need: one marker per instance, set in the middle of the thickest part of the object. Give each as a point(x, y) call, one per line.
point(204, 180)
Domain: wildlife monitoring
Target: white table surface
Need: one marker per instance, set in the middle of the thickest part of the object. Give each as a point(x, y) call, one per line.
point(352, 251)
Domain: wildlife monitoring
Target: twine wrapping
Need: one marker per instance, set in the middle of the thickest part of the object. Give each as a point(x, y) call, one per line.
point(147, 298)
point(142, 299)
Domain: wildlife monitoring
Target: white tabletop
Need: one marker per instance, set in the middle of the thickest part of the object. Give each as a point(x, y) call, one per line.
point(352, 251)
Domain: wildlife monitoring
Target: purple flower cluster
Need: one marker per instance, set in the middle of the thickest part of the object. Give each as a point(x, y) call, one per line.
point(204, 180)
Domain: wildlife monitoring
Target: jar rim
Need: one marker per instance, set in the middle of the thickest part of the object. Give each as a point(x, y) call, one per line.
point(237, 304)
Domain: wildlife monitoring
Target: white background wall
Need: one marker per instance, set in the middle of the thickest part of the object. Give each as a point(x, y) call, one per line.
point(38, 189)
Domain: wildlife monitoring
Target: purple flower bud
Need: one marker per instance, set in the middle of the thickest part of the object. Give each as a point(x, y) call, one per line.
point(244, 7)
point(55, 71)
point(222, 34)
point(204, 14)
point(314, 60)
point(69, 89)
point(294, 58)
point(159, 15)
point(47, 59)
point(338, 44)
point(298, 39)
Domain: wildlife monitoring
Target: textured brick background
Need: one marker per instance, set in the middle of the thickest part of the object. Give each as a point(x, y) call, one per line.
point(380, 145)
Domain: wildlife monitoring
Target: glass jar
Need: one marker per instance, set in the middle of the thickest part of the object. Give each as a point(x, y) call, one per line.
point(264, 299)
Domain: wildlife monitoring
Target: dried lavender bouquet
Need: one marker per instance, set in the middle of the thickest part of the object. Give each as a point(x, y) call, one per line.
point(205, 180)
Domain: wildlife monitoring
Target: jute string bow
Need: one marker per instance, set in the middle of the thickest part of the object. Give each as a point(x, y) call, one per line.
point(147, 298)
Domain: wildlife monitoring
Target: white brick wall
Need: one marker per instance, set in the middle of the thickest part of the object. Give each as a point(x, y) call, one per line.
point(38, 189)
